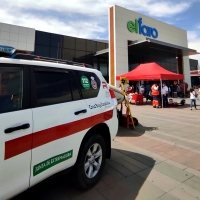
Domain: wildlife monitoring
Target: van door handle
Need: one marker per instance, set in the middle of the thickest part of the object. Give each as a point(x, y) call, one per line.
point(16, 128)
point(80, 111)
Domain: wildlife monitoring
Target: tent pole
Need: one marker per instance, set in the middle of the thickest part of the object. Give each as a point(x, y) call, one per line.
point(161, 91)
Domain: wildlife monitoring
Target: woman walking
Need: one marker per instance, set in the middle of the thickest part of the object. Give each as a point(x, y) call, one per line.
point(192, 98)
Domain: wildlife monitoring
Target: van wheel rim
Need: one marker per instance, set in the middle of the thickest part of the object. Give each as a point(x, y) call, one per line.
point(93, 160)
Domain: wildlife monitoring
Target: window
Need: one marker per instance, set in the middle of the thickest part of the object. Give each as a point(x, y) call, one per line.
point(56, 40)
point(81, 44)
point(67, 54)
point(100, 46)
point(52, 87)
point(74, 87)
point(89, 84)
point(11, 88)
point(68, 42)
point(42, 38)
point(104, 69)
point(42, 50)
point(91, 46)
point(55, 52)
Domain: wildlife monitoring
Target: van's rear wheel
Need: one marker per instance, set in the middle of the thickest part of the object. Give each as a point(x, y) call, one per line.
point(90, 162)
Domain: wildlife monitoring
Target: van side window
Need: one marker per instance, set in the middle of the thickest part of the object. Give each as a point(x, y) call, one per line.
point(52, 88)
point(74, 87)
point(11, 88)
point(89, 83)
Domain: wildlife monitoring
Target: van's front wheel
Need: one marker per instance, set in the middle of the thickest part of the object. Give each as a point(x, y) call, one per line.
point(91, 162)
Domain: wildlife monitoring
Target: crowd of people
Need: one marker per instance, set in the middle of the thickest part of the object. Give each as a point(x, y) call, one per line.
point(160, 93)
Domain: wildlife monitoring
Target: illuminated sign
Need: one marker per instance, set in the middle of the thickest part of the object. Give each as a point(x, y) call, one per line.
point(137, 27)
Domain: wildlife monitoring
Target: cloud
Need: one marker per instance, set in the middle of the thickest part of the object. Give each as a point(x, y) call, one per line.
point(194, 43)
point(79, 18)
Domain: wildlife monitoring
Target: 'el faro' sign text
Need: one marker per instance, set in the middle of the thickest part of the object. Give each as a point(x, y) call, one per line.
point(137, 27)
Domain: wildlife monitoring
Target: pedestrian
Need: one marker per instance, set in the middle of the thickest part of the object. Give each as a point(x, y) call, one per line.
point(164, 92)
point(171, 90)
point(142, 89)
point(192, 98)
point(178, 89)
point(156, 95)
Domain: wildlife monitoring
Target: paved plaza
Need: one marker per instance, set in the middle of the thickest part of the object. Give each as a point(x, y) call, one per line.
point(159, 160)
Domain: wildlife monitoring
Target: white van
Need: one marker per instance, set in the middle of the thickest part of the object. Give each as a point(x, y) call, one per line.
point(52, 116)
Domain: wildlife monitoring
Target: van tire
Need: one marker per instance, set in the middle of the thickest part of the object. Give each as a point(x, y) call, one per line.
point(96, 145)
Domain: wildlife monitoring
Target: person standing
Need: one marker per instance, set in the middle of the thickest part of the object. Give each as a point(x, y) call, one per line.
point(156, 95)
point(171, 91)
point(178, 89)
point(192, 98)
point(164, 92)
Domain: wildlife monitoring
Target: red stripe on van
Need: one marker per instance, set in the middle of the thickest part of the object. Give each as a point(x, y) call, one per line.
point(18, 146)
point(22, 144)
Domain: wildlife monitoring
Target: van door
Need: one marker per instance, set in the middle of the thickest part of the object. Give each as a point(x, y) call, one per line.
point(15, 130)
point(61, 119)
point(96, 94)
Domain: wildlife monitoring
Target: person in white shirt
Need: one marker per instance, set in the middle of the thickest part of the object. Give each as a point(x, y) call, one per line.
point(164, 92)
point(192, 98)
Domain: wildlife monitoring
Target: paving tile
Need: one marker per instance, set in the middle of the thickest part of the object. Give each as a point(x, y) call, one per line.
point(135, 162)
point(163, 137)
point(173, 172)
point(128, 165)
point(176, 164)
point(131, 196)
point(189, 190)
point(180, 194)
point(118, 167)
point(168, 196)
point(80, 195)
point(115, 154)
point(193, 171)
point(114, 191)
point(160, 180)
point(147, 160)
point(194, 137)
point(193, 182)
point(144, 189)
point(160, 156)
point(186, 144)
point(110, 175)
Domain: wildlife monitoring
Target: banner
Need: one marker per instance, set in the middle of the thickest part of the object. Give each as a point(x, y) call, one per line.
point(198, 96)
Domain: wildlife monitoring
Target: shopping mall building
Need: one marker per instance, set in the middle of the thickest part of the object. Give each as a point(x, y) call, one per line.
point(133, 39)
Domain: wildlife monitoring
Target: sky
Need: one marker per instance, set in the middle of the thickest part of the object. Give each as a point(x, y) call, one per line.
point(89, 18)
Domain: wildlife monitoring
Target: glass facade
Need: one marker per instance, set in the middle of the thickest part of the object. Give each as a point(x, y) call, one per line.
point(193, 64)
point(143, 54)
point(82, 50)
point(71, 48)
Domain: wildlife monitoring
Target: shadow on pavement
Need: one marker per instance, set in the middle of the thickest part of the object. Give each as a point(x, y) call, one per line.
point(119, 180)
point(130, 132)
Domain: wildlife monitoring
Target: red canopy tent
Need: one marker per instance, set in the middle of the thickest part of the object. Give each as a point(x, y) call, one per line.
point(150, 71)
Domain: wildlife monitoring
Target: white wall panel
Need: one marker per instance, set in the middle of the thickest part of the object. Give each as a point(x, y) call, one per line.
point(30, 39)
point(29, 46)
point(4, 42)
point(21, 45)
point(13, 37)
point(31, 32)
point(21, 38)
point(23, 30)
point(14, 29)
point(186, 70)
point(5, 27)
point(13, 44)
point(5, 35)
